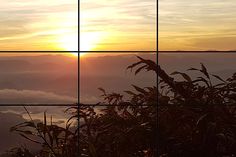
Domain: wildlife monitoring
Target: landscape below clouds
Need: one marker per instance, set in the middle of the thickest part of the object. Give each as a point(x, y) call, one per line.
point(38, 79)
point(109, 71)
point(41, 79)
point(221, 64)
point(11, 116)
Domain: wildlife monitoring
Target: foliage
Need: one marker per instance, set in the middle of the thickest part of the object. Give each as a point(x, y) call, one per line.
point(114, 128)
point(196, 115)
point(56, 141)
point(18, 152)
point(118, 127)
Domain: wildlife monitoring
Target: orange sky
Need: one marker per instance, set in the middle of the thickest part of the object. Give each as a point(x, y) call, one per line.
point(118, 25)
point(69, 54)
point(39, 25)
point(197, 25)
point(53, 25)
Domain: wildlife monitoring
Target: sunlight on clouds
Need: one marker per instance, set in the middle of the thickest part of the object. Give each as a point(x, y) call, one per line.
point(184, 25)
point(125, 25)
point(69, 42)
point(89, 40)
point(38, 25)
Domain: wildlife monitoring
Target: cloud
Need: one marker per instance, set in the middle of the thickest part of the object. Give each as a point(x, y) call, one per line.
point(52, 73)
point(182, 23)
point(13, 96)
point(12, 115)
point(134, 20)
point(36, 23)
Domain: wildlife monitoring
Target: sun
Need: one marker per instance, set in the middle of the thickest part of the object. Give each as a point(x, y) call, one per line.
point(90, 40)
point(69, 42)
point(81, 54)
point(75, 54)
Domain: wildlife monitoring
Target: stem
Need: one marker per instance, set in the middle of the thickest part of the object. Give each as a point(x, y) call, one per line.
point(40, 132)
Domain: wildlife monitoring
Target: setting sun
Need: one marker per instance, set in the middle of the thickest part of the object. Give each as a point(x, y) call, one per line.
point(89, 40)
point(82, 54)
point(74, 54)
point(69, 42)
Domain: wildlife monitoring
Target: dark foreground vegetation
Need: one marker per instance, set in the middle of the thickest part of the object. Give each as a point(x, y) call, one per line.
point(53, 140)
point(124, 128)
point(116, 127)
point(197, 117)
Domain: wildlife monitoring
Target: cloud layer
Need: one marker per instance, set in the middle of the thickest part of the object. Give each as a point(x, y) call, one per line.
point(120, 24)
point(37, 25)
point(13, 96)
point(38, 79)
point(197, 25)
point(11, 116)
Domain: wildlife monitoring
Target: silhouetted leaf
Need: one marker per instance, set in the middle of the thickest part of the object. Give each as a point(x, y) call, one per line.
point(219, 78)
point(139, 89)
point(193, 69)
point(29, 138)
point(185, 76)
point(103, 90)
point(204, 71)
point(139, 69)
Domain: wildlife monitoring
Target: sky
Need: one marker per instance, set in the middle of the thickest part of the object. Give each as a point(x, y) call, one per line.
point(53, 25)
point(197, 25)
point(118, 25)
point(39, 25)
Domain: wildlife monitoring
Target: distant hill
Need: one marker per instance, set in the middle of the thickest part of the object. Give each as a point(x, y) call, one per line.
point(58, 74)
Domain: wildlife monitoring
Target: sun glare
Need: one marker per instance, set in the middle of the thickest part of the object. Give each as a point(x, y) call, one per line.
point(81, 54)
point(75, 54)
point(89, 40)
point(69, 42)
